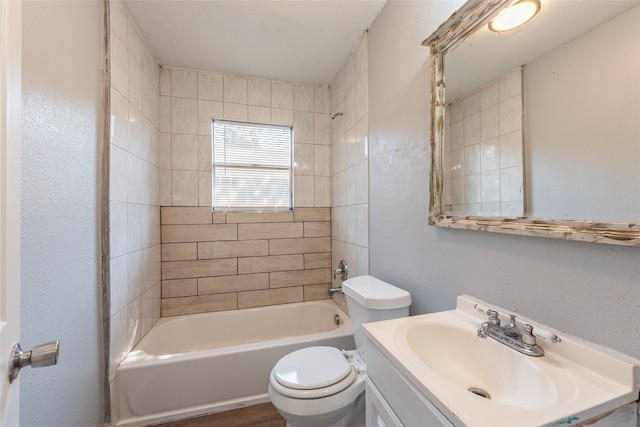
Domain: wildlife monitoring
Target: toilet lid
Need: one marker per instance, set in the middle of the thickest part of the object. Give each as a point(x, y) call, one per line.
point(312, 368)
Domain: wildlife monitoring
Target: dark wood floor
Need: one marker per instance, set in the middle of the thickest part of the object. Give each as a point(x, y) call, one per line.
point(262, 415)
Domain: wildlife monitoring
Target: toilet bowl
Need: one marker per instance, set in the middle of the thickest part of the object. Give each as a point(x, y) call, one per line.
point(324, 386)
point(319, 386)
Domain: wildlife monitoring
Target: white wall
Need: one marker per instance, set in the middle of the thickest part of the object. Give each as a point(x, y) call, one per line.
point(589, 290)
point(62, 77)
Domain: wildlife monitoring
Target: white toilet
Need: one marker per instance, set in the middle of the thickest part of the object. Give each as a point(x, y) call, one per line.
point(324, 386)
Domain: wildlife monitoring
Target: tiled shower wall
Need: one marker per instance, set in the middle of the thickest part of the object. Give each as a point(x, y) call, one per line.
point(225, 261)
point(134, 184)
point(190, 99)
point(350, 165)
point(483, 150)
point(221, 261)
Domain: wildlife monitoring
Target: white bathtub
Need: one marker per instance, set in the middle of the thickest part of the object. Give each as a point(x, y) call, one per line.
point(211, 362)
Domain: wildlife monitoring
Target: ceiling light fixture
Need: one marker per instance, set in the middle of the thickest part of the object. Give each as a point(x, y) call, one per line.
point(519, 13)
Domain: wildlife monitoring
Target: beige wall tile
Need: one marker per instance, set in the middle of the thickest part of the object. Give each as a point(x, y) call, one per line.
point(233, 111)
point(322, 129)
point(305, 162)
point(179, 288)
point(201, 268)
point(322, 191)
point(235, 217)
point(184, 83)
point(210, 86)
point(184, 188)
point(184, 152)
point(304, 190)
point(198, 233)
point(259, 92)
point(322, 160)
point(269, 231)
point(235, 89)
point(259, 114)
point(232, 249)
point(317, 229)
point(179, 251)
point(316, 292)
point(204, 188)
point(270, 263)
point(184, 116)
point(165, 187)
point(270, 297)
point(303, 97)
point(185, 215)
point(312, 214)
point(322, 99)
point(283, 279)
point(341, 300)
point(282, 95)
point(207, 111)
point(199, 304)
point(281, 117)
point(299, 246)
point(219, 217)
point(317, 260)
point(204, 152)
point(242, 282)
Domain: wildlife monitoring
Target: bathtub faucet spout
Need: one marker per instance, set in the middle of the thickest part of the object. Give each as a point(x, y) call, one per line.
point(334, 291)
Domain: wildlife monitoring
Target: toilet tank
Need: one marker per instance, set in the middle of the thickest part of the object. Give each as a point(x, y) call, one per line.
point(371, 300)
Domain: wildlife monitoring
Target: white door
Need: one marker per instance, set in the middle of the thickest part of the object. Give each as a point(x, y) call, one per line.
point(10, 98)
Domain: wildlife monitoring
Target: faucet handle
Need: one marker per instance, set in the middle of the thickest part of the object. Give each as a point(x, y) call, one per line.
point(527, 335)
point(493, 317)
point(511, 330)
point(342, 271)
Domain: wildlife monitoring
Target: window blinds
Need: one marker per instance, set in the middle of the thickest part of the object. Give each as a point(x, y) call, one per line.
point(251, 166)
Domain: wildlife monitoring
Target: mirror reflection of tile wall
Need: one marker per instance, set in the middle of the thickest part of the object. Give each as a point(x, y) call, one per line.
point(483, 150)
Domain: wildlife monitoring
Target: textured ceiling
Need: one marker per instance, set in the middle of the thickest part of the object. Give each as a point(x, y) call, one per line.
point(300, 41)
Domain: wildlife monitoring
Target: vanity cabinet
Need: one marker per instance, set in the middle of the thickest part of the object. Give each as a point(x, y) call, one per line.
point(379, 413)
point(392, 401)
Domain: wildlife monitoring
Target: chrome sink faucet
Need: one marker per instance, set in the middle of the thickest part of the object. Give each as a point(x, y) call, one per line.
point(509, 335)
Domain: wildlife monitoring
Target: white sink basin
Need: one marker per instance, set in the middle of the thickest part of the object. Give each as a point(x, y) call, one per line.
point(481, 382)
point(478, 366)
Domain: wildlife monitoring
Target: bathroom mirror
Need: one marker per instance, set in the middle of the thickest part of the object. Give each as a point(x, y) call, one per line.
point(580, 120)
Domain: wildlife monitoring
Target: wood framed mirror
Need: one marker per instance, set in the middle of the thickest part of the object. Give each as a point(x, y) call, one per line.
point(570, 49)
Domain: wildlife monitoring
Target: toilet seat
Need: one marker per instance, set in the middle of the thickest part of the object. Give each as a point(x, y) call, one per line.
point(312, 372)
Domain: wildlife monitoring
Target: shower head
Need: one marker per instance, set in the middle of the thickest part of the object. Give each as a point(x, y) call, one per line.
point(336, 115)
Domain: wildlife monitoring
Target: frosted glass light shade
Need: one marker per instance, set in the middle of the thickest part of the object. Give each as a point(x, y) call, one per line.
point(515, 15)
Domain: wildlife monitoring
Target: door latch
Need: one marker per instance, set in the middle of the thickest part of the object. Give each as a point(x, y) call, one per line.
point(41, 356)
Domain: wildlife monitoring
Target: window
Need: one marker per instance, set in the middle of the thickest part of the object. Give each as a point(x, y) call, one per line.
point(251, 166)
